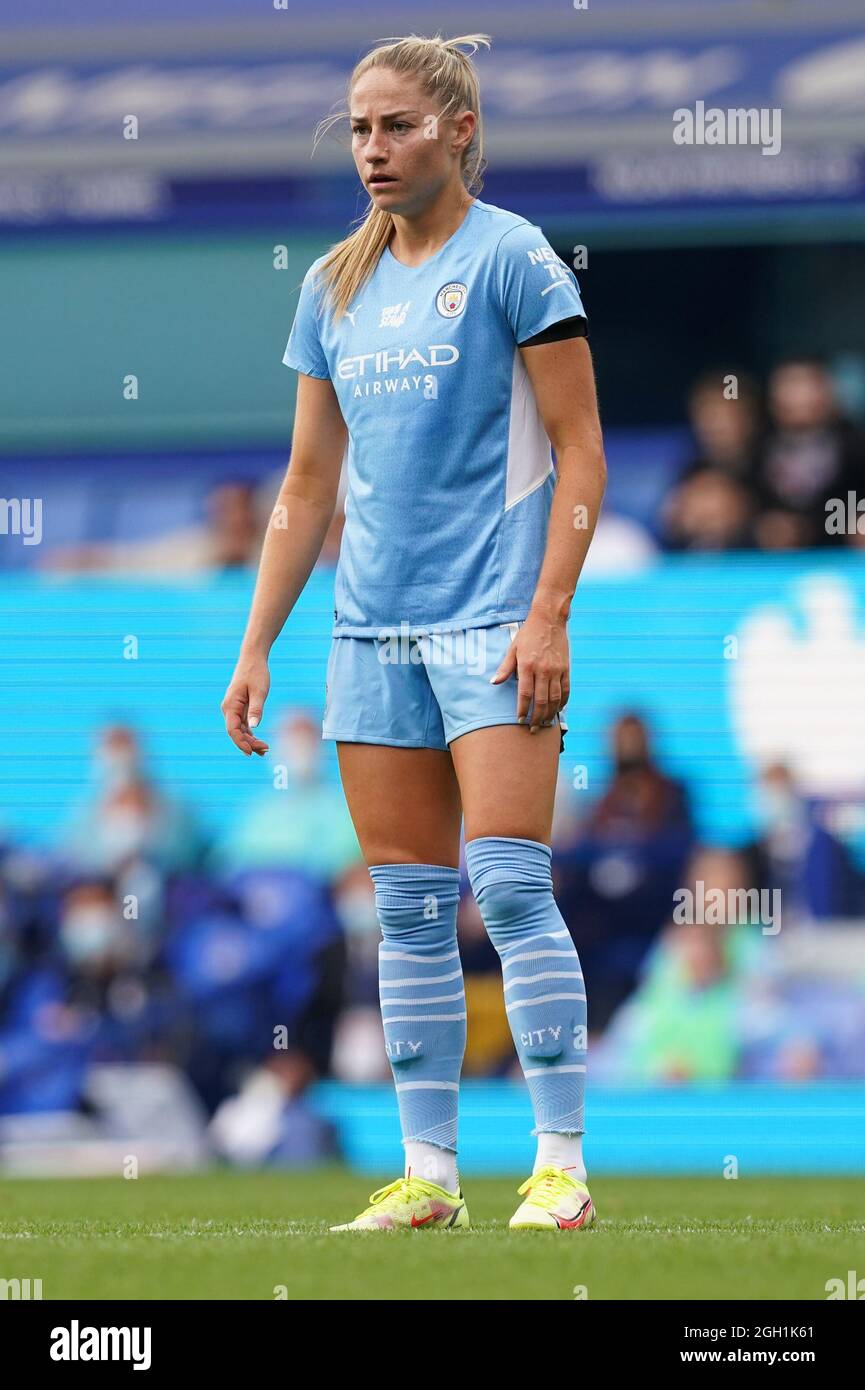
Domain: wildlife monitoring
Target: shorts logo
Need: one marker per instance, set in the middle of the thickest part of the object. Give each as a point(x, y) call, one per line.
point(451, 299)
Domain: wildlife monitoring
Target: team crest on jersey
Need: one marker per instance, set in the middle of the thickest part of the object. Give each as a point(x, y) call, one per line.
point(451, 299)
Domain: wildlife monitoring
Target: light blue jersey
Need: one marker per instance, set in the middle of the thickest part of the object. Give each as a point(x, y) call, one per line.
point(450, 471)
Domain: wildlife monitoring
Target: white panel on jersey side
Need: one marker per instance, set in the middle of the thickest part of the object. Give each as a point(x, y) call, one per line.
point(530, 458)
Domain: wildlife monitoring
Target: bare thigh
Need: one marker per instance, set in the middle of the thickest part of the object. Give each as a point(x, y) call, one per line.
point(507, 779)
point(404, 803)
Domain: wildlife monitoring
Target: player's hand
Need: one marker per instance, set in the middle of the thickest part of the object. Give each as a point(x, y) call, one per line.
point(244, 702)
point(540, 656)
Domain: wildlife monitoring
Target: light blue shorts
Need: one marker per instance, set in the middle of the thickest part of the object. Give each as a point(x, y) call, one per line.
point(420, 692)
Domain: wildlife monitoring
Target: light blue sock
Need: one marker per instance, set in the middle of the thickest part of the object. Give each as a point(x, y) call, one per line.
point(544, 989)
point(423, 1001)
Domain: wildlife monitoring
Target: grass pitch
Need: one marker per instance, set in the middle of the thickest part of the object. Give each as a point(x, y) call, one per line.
point(229, 1235)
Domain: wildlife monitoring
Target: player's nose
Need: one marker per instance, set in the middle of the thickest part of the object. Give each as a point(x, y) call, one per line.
point(376, 146)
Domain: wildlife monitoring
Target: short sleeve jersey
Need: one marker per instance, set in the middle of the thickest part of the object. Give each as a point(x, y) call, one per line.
point(450, 470)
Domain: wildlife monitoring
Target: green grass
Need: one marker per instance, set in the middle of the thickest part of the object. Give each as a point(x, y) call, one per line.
point(226, 1235)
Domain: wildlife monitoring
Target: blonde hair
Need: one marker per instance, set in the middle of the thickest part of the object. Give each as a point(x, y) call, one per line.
point(449, 77)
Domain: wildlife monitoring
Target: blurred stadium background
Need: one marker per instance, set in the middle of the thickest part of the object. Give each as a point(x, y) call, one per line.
point(187, 939)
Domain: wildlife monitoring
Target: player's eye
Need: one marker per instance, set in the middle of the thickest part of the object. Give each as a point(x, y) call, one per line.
point(400, 125)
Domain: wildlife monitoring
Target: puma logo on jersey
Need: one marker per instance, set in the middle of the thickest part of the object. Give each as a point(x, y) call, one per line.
point(350, 313)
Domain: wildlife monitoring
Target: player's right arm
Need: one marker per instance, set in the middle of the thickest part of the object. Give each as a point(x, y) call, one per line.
point(295, 534)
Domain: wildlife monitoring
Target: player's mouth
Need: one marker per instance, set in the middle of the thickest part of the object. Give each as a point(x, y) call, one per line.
point(378, 180)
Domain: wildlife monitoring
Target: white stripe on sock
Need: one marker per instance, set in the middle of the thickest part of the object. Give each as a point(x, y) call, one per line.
point(541, 999)
point(420, 980)
point(545, 975)
point(545, 1071)
point(433, 999)
point(424, 960)
point(425, 1018)
point(428, 1086)
point(537, 955)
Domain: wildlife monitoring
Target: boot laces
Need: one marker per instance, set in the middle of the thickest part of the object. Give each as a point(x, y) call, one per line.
point(548, 1186)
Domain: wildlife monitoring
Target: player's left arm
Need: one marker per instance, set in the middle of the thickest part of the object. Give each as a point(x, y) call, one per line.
point(563, 381)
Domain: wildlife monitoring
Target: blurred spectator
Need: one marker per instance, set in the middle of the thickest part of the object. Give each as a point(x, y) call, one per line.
point(683, 1021)
point(229, 538)
point(802, 1029)
point(354, 901)
point(90, 999)
point(259, 976)
point(713, 505)
point(95, 940)
point(615, 872)
point(45, 1048)
point(797, 854)
point(810, 454)
point(119, 999)
point(725, 428)
point(301, 819)
point(358, 1046)
point(640, 800)
point(714, 1003)
point(126, 821)
point(711, 510)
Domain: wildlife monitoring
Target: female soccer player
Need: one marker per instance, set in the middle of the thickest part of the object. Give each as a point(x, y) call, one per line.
point(442, 348)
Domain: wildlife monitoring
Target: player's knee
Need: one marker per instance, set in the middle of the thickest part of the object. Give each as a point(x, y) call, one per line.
point(512, 883)
point(416, 903)
point(498, 904)
point(510, 910)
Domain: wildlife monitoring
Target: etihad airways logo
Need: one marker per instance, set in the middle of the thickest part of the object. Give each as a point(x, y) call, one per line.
point(394, 364)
